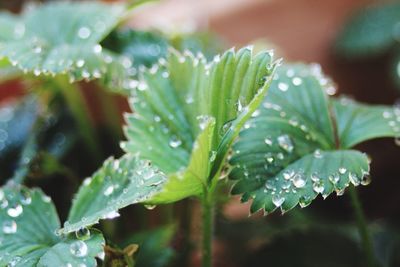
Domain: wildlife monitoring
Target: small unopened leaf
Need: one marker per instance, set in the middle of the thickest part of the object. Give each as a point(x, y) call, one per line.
point(28, 222)
point(190, 99)
point(117, 184)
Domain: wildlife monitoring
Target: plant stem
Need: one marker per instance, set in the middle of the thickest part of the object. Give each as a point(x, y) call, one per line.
point(362, 227)
point(208, 225)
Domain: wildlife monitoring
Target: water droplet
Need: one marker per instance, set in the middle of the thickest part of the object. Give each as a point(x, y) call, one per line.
point(334, 179)
point(297, 81)
point(14, 261)
point(278, 200)
point(9, 227)
point(304, 201)
point(283, 86)
point(299, 180)
point(366, 179)
point(78, 249)
point(111, 215)
point(4, 204)
point(150, 207)
point(318, 187)
point(268, 141)
point(287, 175)
point(15, 211)
point(342, 170)
point(83, 233)
point(79, 63)
point(387, 114)
point(213, 155)
point(174, 142)
point(397, 141)
point(84, 32)
point(285, 142)
point(354, 179)
point(109, 190)
point(340, 192)
point(256, 113)
point(318, 154)
point(97, 49)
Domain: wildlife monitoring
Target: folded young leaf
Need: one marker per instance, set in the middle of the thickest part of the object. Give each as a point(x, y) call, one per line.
point(370, 32)
point(28, 222)
point(174, 105)
point(117, 184)
point(289, 152)
point(63, 38)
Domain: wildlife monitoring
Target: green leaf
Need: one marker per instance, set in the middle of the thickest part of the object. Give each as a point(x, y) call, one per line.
point(370, 32)
point(62, 38)
point(154, 247)
point(189, 99)
point(290, 151)
point(29, 221)
point(357, 122)
point(143, 48)
point(117, 184)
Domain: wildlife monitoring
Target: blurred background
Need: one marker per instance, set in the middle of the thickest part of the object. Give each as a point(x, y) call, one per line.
point(307, 31)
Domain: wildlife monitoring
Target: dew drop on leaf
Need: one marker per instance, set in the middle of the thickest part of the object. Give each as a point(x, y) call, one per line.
point(111, 215)
point(82, 233)
point(174, 142)
point(366, 179)
point(268, 141)
point(150, 207)
point(78, 249)
point(14, 261)
point(297, 81)
point(278, 200)
point(25, 197)
point(15, 211)
point(318, 187)
point(9, 227)
point(299, 180)
point(354, 179)
point(285, 142)
point(109, 190)
point(318, 154)
point(84, 32)
point(342, 170)
point(283, 86)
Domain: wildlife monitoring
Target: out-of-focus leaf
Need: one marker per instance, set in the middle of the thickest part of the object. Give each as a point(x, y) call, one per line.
point(28, 222)
point(154, 249)
point(63, 38)
point(306, 250)
point(143, 48)
point(370, 32)
point(117, 184)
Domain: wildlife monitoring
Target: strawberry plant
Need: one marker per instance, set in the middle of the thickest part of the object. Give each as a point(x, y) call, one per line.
point(273, 131)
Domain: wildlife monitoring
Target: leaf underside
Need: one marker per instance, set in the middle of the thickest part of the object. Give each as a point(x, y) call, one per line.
point(28, 222)
point(188, 111)
point(287, 153)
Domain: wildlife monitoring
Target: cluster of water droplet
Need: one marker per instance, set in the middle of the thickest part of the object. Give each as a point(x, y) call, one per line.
point(308, 186)
point(13, 205)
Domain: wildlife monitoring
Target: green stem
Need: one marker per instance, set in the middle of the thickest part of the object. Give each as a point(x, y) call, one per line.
point(208, 225)
point(77, 104)
point(362, 227)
